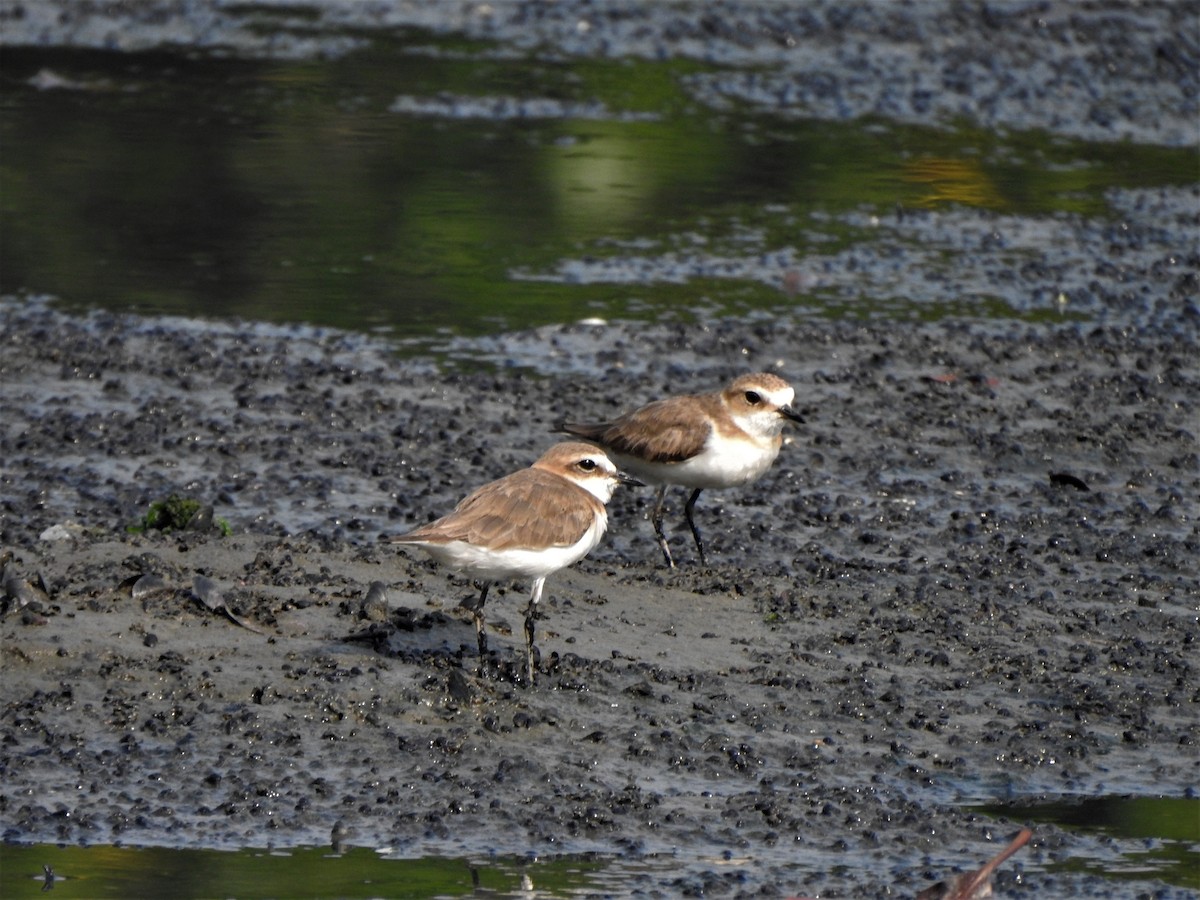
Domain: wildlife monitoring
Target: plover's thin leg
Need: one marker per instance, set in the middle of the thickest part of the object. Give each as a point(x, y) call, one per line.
point(687, 510)
point(476, 608)
point(656, 517)
point(531, 624)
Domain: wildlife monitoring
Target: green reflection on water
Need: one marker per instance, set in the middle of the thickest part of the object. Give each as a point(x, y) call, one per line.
point(287, 191)
point(1169, 828)
point(169, 874)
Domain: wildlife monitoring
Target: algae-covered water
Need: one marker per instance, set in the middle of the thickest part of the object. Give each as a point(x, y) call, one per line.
point(1169, 826)
point(426, 185)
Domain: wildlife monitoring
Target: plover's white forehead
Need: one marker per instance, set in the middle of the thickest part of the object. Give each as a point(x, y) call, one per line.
point(780, 396)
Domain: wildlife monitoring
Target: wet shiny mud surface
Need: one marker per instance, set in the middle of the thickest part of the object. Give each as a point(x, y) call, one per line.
point(969, 578)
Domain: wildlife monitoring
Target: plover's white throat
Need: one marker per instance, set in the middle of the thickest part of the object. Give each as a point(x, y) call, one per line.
point(525, 525)
point(699, 441)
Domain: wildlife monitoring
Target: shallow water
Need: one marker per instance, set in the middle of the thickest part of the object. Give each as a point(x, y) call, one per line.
point(174, 874)
point(427, 188)
point(1168, 827)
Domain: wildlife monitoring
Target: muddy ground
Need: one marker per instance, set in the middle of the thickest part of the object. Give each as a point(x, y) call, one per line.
point(971, 576)
point(912, 612)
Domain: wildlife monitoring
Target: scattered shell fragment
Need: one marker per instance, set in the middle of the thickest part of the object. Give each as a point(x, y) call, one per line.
point(19, 592)
point(375, 604)
point(209, 594)
point(146, 585)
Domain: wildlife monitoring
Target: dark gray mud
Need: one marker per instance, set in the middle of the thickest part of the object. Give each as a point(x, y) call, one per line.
point(970, 578)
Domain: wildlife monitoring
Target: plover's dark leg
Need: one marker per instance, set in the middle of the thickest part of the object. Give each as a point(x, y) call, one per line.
point(531, 625)
point(687, 510)
point(476, 608)
point(656, 518)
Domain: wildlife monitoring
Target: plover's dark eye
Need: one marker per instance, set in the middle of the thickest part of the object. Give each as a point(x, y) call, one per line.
point(753, 398)
point(587, 464)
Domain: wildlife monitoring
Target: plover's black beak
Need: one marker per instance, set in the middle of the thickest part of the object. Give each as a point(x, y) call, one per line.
point(788, 413)
point(629, 480)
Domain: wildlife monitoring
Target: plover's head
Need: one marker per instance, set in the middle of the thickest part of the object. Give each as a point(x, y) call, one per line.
point(585, 465)
point(761, 403)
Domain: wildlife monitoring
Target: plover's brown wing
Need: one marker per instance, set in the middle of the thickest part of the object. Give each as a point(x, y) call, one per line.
point(530, 509)
point(665, 431)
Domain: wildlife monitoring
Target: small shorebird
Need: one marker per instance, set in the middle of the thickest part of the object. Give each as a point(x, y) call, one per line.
point(525, 525)
point(700, 441)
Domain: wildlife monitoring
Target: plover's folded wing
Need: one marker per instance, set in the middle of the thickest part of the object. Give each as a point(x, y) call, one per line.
point(665, 431)
point(529, 509)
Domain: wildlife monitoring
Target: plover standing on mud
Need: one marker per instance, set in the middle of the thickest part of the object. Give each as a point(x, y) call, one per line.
point(699, 441)
point(528, 524)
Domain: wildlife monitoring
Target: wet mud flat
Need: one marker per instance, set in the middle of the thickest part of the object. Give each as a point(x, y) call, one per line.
point(969, 578)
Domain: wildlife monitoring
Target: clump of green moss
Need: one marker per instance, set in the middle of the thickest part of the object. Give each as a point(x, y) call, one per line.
point(178, 514)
